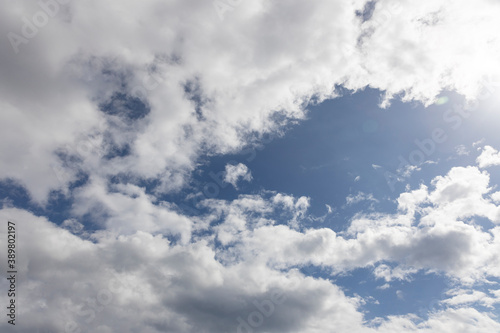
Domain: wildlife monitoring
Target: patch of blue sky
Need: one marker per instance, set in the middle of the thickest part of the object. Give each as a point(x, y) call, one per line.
point(420, 294)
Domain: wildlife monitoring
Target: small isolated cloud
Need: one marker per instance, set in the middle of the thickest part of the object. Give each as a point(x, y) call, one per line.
point(357, 179)
point(478, 142)
point(235, 173)
point(329, 210)
point(361, 196)
point(384, 286)
point(461, 150)
point(408, 169)
point(489, 157)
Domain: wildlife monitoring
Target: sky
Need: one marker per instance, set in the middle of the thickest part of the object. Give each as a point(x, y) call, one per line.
point(199, 166)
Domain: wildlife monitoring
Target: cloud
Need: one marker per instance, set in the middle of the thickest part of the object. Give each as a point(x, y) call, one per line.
point(434, 230)
point(161, 84)
point(388, 274)
point(124, 209)
point(361, 196)
point(489, 157)
point(73, 226)
point(144, 281)
point(462, 296)
point(200, 85)
point(495, 197)
point(180, 284)
point(235, 173)
point(478, 142)
point(407, 170)
point(461, 150)
point(446, 321)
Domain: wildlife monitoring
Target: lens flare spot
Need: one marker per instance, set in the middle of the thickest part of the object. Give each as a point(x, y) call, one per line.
point(442, 100)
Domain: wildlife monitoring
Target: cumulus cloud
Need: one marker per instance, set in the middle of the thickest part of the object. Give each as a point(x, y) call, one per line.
point(235, 173)
point(434, 230)
point(153, 97)
point(145, 281)
point(99, 98)
point(489, 157)
point(142, 278)
point(124, 209)
point(462, 296)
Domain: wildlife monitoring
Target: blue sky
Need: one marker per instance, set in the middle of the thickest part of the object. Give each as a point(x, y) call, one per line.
point(234, 166)
point(339, 141)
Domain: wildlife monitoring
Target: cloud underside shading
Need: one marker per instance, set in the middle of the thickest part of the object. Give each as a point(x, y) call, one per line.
point(140, 91)
point(144, 281)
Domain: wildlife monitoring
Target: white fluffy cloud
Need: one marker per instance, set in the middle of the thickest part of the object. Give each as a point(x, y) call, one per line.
point(134, 278)
point(140, 90)
point(443, 238)
point(209, 85)
point(235, 173)
point(144, 282)
point(124, 209)
point(461, 296)
point(489, 157)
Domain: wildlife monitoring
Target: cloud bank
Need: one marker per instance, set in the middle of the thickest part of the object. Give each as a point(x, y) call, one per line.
point(143, 89)
point(99, 98)
point(145, 281)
